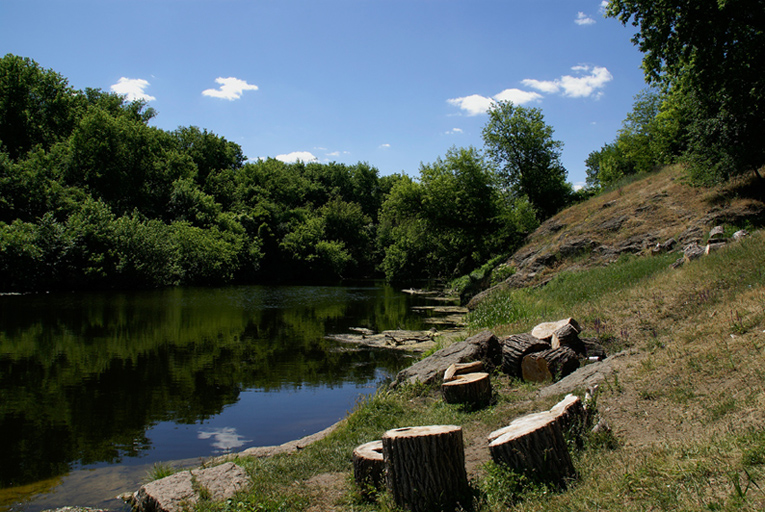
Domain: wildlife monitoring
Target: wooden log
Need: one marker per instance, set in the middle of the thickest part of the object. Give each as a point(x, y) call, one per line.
point(593, 348)
point(515, 348)
point(425, 467)
point(552, 364)
point(368, 467)
point(462, 368)
point(545, 330)
point(534, 445)
point(470, 388)
point(568, 336)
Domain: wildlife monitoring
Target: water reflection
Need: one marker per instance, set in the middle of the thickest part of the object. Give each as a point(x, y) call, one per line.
point(96, 378)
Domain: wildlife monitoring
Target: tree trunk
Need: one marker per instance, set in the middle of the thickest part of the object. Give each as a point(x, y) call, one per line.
point(553, 364)
point(368, 467)
point(567, 335)
point(515, 348)
point(470, 388)
point(534, 445)
point(462, 368)
point(544, 331)
point(425, 467)
point(593, 348)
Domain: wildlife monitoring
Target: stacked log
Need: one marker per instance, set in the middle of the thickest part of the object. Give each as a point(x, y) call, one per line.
point(470, 388)
point(425, 467)
point(515, 348)
point(368, 467)
point(549, 365)
point(462, 368)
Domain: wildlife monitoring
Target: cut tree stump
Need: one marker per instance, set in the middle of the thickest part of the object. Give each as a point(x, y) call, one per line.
point(470, 388)
point(462, 368)
point(368, 467)
point(534, 445)
point(515, 348)
point(552, 364)
point(571, 417)
point(425, 467)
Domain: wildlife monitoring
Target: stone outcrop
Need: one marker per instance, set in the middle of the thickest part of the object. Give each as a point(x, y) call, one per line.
point(181, 491)
point(483, 347)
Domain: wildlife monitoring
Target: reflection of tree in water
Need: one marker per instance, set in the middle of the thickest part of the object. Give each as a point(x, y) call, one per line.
point(83, 377)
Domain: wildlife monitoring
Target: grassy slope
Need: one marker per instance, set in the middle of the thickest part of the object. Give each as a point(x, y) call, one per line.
point(687, 405)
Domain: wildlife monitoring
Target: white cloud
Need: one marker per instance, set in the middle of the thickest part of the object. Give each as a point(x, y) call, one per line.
point(334, 153)
point(454, 131)
point(384, 146)
point(476, 104)
point(230, 88)
point(603, 6)
point(583, 19)
point(132, 89)
point(517, 96)
point(575, 86)
point(291, 158)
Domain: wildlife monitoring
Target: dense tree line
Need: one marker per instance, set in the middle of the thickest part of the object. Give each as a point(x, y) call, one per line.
point(93, 196)
point(706, 105)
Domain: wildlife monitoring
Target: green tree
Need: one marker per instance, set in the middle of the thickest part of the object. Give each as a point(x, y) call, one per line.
point(708, 53)
point(37, 106)
point(521, 144)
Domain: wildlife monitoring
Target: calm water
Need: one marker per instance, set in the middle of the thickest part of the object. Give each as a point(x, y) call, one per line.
point(96, 387)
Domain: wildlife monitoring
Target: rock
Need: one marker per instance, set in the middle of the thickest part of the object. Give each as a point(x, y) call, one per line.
point(181, 491)
point(483, 346)
point(583, 378)
point(690, 235)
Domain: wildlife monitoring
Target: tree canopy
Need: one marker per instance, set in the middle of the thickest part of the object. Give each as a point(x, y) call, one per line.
point(707, 56)
point(521, 144)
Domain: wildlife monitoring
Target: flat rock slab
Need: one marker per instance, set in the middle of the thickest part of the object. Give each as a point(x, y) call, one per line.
point(582, 378)
point(181, 491)
point(483, 346)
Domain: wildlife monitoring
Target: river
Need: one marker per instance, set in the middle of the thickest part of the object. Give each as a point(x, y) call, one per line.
point(95, 388)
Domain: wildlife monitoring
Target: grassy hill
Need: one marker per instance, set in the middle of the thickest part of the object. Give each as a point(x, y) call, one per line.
point(685, 400)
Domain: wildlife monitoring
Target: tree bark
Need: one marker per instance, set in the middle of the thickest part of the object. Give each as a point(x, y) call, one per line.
point(368, 467)
point(425, 467)
point(470, 388)
point(571, 417)
point(515, 348)
point(549, 365)
point(534, 445)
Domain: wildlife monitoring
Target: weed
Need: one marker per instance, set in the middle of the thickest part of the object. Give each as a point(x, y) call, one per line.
point(160, 470)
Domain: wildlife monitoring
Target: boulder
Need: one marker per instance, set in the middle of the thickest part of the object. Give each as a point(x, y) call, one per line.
point(483, 347)
point(181, 491)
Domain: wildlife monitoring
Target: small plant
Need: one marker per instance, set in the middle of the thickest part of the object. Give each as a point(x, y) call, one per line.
point(160, 470)
point(502, 487)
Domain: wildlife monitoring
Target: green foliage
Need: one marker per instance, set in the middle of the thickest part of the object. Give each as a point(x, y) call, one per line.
point(706, 53)
point(451, 221)
point(651, 135)
point(521, 144)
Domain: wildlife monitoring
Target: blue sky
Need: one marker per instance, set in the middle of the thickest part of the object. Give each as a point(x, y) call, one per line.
point(394, 83)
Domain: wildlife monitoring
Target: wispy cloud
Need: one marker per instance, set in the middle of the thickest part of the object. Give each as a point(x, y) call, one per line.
point(384, 146)
point(132, 88)
point(291, 158)
point(603, 6)
point(454, 131)
point(588, 82)
point(583, 19)
point(230, 88)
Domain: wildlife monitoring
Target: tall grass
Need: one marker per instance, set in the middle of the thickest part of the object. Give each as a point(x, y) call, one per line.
point(565, 294)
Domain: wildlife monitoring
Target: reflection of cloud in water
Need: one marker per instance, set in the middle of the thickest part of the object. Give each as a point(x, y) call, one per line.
point(226, 438)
